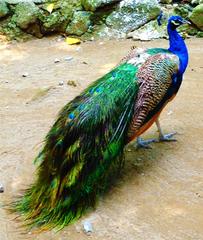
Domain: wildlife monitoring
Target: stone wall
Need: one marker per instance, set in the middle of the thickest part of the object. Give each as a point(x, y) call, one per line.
point(90, 19)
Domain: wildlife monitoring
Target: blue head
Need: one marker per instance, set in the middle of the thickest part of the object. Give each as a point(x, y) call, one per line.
point(176, 21)
point(176, 42)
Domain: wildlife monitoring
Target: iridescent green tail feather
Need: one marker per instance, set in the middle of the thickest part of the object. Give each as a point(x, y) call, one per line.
point(82, 150)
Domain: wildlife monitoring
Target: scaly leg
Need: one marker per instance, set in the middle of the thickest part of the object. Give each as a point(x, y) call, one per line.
point(164, 137)
point(141, 143)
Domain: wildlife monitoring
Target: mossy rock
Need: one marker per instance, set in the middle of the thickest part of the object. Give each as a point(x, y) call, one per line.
point(12, 32)
point(183, 10)
point(26, 13)
point(166, 1)
point(200, 34)
point(80, 23)
point(93, 5)
point(54, 22)
point(103, 32)
point(20, 1)
point(149, 31)
point(60, 17)
point(130, 15)
point(4, 10)
point(197, 16)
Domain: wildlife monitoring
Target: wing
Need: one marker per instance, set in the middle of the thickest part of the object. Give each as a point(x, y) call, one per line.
point(156, 78)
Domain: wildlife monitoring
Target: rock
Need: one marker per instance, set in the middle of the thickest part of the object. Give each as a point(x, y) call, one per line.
point(92, 5)
point(72, 83)
point(56, 60)
point(87, 226)
point(103, 32)
point(131, 14)
point(196, 2)
point(3, 9)
point(60, 17)
point(61, 83)
point(200, 34)
point(20, 1)
point(68, 58)
point(183, 10)
point(26, 74)
point(52, 22)
point(197, 16)
point(166, 1)
point(25, 14)
point(1, 188)
point(149, 31)
point(80, 23)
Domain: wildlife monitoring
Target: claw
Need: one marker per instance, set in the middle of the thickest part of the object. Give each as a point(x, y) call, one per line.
point(144, 143)
point(167, 137)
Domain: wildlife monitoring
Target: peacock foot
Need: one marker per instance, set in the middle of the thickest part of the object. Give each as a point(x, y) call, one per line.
point(167, 137)
point(141, 143)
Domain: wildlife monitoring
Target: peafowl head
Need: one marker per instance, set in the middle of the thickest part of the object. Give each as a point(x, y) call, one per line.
point(176, 21)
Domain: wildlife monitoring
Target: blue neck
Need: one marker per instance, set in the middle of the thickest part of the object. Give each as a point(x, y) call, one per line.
point(178, 47)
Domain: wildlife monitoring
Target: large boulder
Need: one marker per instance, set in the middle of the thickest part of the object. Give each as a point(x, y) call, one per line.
point(92, 5)
point(166, 1)
point(3, 9)
point(80, 23)
point(197, 16)
point(183, 10)
point(149, 31)
point(26, 13)
point(131, 14)
point(20, 1)
point(196, 2)
point(61, 15)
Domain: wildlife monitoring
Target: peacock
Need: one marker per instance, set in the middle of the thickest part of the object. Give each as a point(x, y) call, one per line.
point(83, 151)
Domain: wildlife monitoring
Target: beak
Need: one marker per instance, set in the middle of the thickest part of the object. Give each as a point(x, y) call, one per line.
point(184, 21)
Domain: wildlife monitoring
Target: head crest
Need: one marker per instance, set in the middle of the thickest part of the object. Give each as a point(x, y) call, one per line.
point(159, 18)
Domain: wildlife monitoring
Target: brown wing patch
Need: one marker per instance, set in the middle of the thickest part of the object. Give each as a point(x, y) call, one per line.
point(154, 78)
point(134, 53)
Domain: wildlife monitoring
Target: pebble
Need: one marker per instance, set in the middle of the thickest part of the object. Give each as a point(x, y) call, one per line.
point(56, 60)
point(72, 83)
point(78, 49)
point(25, 74)
point(61, 83)
point(87, 227)
point(169, 112)
point(68, 58)
point(60, 39)
point(1, 188)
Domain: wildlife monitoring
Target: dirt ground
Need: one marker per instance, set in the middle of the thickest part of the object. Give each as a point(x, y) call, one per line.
point(160, 195)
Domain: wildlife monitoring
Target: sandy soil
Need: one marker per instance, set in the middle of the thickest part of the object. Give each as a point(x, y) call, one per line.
point(160, 195)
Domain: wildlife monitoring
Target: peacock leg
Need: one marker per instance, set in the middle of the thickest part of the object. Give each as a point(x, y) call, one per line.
point(141, 143)
point(164, 137)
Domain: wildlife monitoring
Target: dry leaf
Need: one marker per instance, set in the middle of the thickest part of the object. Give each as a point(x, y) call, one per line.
point(50, 7)
point(71, 41)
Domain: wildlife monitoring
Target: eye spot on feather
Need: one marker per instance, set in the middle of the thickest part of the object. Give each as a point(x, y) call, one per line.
point(91, 91)
point(113, 74)
point(98, 90)
point(71, 116)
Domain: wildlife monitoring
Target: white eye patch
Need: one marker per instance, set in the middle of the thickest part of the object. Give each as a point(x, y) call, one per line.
point(175, 23)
